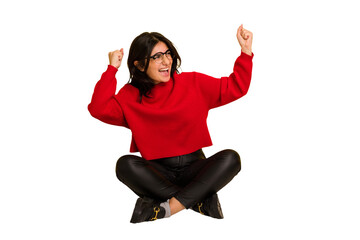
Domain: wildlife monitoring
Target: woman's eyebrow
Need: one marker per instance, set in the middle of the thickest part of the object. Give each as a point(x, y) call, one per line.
point(160, 52)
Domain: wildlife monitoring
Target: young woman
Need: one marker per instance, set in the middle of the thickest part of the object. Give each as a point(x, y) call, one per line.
point(166, 112)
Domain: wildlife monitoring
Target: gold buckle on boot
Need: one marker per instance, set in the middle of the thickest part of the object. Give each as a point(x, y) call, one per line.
point(200, 205)
point(156, 210)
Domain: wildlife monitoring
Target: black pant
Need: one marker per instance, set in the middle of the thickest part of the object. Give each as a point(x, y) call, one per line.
point(189, 178)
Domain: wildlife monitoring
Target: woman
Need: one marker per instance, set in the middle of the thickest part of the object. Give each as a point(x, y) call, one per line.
point(166, 112)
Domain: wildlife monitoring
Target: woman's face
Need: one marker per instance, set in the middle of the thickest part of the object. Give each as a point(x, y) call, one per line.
point(159, 70)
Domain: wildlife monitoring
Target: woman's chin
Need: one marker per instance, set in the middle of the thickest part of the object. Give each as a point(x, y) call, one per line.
point(164, 80)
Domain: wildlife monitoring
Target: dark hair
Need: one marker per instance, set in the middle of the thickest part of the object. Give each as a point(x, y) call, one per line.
point(140, 50)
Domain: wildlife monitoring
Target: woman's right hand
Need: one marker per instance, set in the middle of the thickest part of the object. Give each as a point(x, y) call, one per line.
point(116, 57)
point(245, 38)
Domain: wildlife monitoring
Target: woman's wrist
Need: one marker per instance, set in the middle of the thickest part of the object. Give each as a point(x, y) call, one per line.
point(247, 51)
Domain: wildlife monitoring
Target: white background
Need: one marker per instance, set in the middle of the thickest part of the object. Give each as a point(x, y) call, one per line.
point(297, 130)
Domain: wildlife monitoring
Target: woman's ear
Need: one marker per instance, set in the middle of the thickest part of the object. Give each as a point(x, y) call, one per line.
point(139, 66)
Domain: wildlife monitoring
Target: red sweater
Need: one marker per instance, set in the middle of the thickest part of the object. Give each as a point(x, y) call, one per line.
point(173, 121)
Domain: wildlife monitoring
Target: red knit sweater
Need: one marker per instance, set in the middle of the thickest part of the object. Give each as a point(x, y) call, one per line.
point(172, 121)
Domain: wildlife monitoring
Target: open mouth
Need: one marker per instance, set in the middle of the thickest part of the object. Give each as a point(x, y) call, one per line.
point(164, 70)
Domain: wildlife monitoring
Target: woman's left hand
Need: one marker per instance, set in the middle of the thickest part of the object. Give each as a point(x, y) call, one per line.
point(245, 38)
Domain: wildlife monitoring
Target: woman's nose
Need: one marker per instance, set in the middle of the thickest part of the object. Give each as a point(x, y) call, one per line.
point(165, 60)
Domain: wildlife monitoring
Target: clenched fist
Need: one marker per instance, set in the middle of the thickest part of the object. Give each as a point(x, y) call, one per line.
point(245, 38)
point(116, 57)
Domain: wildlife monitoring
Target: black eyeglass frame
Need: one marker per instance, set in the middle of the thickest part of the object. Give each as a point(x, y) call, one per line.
point(157, 56)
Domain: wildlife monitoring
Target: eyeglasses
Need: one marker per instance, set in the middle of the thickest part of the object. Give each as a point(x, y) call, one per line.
point(158, 57)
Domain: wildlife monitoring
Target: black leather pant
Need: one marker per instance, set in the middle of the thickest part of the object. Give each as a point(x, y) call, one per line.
point(189, 178)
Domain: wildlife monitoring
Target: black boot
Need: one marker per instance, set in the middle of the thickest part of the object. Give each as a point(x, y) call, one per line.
point(147, 209)
point(209, 207)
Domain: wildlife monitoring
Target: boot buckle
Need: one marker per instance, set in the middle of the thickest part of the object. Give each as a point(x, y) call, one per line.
point(156, 210)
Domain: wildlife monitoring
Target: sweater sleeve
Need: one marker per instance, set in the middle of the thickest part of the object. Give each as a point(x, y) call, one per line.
point(218, 92)
point(104, 106)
